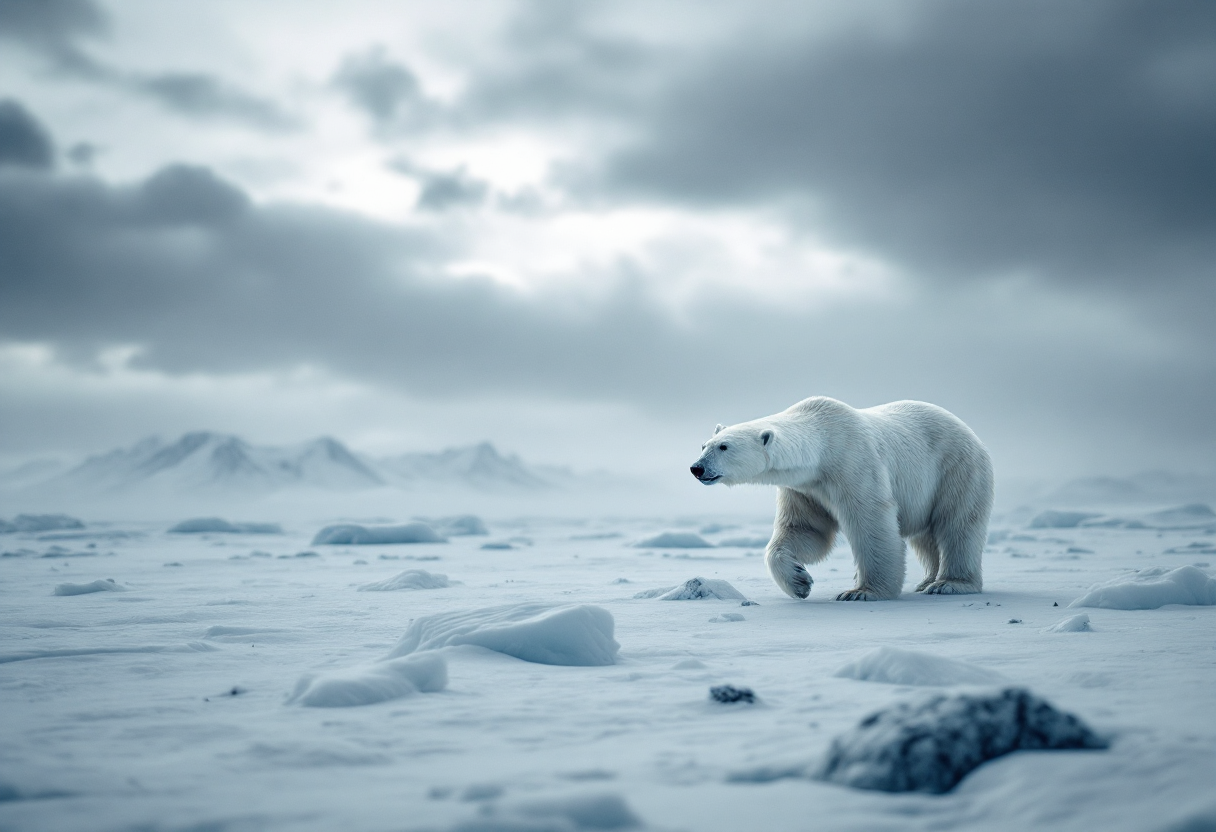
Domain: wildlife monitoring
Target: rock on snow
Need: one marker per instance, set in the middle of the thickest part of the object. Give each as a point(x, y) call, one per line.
point(579, 635)
point(409, 579)
point(353, 535)
point(1149, 589)
point(893, 666)
point(930, 746)
point(369, 684)
point(108, 585)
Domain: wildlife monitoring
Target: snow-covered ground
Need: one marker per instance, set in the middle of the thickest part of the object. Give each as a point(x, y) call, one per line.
point(213, 688)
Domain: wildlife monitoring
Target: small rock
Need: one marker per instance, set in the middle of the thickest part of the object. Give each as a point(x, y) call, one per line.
point(729, 693)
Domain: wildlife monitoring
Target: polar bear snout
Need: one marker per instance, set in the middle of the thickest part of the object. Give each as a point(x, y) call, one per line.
point(698, 471)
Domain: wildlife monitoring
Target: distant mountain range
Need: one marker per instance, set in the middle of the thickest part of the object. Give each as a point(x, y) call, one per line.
point(203, 461)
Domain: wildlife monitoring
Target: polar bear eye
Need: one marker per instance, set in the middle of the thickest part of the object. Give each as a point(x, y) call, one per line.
point(721, 447)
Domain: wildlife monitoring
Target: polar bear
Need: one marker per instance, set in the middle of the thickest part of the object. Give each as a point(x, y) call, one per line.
point(901, 470)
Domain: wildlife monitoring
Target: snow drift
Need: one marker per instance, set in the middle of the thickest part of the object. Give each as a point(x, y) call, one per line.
point(369, 684)
point(216, 525)
point(565, 635)
point(350, 534)
point(674, 540)
point(695, 589)
point(29, 523)
point(108, 585)
point(1152, 588)
point(930, 746)
point(893, 666)
point(409, 579)
point(1072, 624)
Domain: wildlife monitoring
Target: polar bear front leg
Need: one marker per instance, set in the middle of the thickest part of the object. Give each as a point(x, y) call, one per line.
point(803, 532)
point(878, 552)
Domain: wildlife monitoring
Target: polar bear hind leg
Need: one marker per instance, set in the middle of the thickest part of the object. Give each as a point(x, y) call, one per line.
point(803, 532)
point(927, 552)
point(961, 542)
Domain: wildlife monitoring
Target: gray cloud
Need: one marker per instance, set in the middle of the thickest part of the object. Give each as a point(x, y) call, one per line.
point(385, 90)
point(186, 266)
point(442, 190)
point(55, 28)
point(23, 141)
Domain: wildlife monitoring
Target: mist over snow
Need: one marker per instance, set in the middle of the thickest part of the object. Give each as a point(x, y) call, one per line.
point(353, 358)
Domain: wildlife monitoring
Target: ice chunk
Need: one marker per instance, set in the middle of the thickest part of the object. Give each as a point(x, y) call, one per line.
point(369, 684)
point(566, 635)
point(694, 589)
point(217, 525)
point(1061, 519)
point(351, 534)
point(1072, 624)
point(929, 746)
point(893, 666)
point(108, 585)
point(41, 523)
point(675, 540)
point(1152, 588)
point(409, 579)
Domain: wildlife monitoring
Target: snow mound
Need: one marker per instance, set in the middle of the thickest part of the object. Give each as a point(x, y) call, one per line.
point(893, 666)
point(1152, 588)
point(744, 542)
point(108, 585)
point(352, 535)
point(1072, 624)
point(1061, 519)
point(40, 523)
point(695, 589)
point(674, 540)
point(409, 579)
point(930, 746)
point(1193, 516)
point(566, 635)
point(217, 525)
point(369, 684)
point(571, 814)
point(461, 524)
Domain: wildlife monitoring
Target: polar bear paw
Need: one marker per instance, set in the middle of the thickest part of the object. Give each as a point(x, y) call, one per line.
point(791, 577)
point(951, 588)
point(859, 595)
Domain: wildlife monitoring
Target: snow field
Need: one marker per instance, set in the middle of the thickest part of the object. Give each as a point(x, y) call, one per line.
point(165, 706)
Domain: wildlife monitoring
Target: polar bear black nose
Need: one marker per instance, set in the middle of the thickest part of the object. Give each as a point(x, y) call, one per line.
point(697, 471)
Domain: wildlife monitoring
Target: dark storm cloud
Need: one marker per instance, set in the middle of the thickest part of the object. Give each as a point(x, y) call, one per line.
point(54, 28)
point(23, 141)
point(1073, 140)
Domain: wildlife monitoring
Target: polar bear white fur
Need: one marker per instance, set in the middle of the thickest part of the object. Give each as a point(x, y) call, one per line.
point(901, 470)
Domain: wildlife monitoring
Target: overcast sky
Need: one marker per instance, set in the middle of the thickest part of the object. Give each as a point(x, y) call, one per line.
point(588, 232)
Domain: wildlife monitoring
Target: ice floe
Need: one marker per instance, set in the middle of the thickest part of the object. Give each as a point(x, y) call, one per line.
point(218, 525)
point(674, 540)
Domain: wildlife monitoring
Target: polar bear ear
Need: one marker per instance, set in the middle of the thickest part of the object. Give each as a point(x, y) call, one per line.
point(719, 429)
point(766, 437)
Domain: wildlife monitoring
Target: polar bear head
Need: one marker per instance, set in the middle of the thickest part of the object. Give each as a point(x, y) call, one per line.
point(735, 455)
